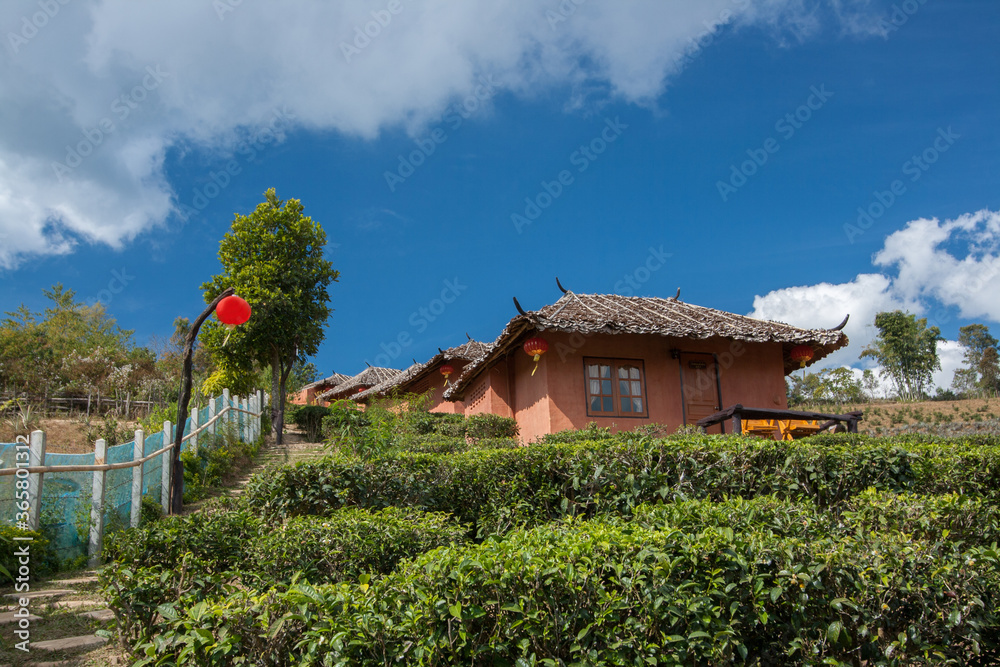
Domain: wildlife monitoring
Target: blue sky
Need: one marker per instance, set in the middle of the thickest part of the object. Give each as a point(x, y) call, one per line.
point(722, 146)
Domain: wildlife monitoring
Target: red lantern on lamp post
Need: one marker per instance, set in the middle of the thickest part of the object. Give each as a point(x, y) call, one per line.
point(233, 311)
point(801, 354)
point(447, 370)
point(536, 347)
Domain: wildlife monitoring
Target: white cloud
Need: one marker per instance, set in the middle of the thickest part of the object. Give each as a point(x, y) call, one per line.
point(929, 279)
point(90, 65)
point(926, 270)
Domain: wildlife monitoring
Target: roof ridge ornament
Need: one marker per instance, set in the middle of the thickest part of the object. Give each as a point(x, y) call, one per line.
point(677, 297)
point(559, 284)
point(840, 327)
point(518, 306)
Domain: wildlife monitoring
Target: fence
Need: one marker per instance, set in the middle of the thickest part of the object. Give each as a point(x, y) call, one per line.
point(74, 498)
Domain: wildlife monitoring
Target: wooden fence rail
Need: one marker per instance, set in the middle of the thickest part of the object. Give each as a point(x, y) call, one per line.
point(30, 464)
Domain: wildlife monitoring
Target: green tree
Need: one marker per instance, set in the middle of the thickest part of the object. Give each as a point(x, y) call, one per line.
point(273, 258)
point(906, 350)
point(981, 374)
point(303, 373)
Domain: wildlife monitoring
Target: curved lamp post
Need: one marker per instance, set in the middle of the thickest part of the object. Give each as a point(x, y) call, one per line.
point(231, 314)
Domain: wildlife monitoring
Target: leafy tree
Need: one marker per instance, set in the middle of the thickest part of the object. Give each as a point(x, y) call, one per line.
point(906, 350)
point(981, 373)
point(170, 359)
point(273, 258)
point(73, 348)
point(303, 373)
point(989, 371)
point(870, 383)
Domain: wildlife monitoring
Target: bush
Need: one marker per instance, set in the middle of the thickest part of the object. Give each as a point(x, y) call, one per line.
point(593, 593)
point(218, 455)
point(347, 544)
point(42, 559)
point(150, 511)
point(487, 425)
point(592, 433)
point(310, 418)
point(495, 490)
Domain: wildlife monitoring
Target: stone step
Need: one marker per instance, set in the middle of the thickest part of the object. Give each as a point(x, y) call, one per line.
point(98, 614)
point(55, 592)
point(74, 582)
point(9, 617)
point(69, 643)
point(74, 604)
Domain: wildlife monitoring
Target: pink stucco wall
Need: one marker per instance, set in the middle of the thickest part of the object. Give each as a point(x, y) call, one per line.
point(555, 399)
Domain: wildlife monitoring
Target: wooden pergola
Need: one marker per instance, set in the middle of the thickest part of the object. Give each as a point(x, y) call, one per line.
point(740, 414)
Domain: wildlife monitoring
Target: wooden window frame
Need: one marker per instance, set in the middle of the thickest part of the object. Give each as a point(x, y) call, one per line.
point(615, 363)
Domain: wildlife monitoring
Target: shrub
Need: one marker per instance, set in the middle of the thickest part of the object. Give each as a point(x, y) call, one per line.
point(593, 433)
point(150, 511)
point(487, 425)
point(347, 544)
point(310, 418)
point(494, 490)
point(593, 593)
point(42, 559)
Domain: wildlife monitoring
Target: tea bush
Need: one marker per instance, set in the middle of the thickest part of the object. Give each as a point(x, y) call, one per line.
point(310, 418)
point(624, 550)
point(585, 592)
point(347, 544)
point(495, 490)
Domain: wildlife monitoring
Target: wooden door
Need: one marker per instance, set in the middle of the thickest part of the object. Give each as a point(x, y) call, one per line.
point(700, 387)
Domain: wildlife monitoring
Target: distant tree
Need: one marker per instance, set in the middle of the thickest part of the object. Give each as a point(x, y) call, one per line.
point(71, 348)
point(989, 372)
point(303, 373)
point(981, 374)
point(841, 385)
point(274, 259)
point(906, 350)
point(170, 358)
point(870, 383)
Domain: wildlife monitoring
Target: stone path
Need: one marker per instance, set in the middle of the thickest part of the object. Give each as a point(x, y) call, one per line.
point(66, 612)
point(293, 450)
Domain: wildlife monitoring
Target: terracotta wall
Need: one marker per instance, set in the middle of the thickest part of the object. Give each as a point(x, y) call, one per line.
point(437, 384)
point(555, 398)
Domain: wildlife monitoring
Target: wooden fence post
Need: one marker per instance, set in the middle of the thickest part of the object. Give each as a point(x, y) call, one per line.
point(36, 457)
point(211, 413)
point(138, 451)
point(97, 506)
point(194, 426)
point(166, 463)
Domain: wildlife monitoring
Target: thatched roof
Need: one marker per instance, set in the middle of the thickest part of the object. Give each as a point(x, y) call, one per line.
point(613, 314)
point(328, 382)
point(470, 351)
point(369, 377)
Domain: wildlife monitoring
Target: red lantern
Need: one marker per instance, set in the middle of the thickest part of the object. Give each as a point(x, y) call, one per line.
point(802, 354)
point(536, 347)
point(447, 370)
point(232, 311)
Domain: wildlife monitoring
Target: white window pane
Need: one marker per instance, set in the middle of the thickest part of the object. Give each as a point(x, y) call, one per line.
point(637, 405)
point(636, 388)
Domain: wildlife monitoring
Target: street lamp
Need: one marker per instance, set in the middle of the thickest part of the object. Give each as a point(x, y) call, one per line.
point(232, 310)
